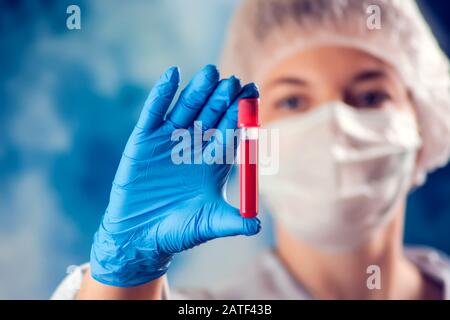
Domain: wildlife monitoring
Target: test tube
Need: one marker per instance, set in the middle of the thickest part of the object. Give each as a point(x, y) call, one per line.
point(248, 122)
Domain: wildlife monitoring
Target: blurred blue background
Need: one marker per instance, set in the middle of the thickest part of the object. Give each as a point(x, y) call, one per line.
point(68, 100)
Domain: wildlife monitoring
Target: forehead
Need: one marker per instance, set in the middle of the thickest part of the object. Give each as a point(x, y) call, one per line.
point(325, 64)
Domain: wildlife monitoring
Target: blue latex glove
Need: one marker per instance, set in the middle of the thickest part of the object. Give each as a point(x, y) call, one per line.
point(157, 208)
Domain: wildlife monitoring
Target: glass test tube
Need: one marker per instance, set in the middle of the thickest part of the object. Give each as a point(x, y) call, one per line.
point(248, 123)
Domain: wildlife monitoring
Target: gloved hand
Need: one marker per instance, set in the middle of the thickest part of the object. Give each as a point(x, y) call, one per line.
point(158, 208)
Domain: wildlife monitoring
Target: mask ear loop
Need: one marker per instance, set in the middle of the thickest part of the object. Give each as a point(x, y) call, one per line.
point(418, 176)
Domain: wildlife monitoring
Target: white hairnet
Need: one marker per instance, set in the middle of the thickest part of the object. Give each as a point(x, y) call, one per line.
point(265, 31)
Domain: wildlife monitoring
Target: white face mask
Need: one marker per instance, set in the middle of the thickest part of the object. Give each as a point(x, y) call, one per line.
point(342, 173)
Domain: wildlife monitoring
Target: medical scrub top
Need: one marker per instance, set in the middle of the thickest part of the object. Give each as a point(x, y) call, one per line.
point(269, 279)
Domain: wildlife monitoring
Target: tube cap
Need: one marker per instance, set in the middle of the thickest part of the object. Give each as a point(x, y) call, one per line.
point(248, 113)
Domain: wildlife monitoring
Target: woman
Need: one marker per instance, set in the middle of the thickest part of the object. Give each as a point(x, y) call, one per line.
point(363, 112)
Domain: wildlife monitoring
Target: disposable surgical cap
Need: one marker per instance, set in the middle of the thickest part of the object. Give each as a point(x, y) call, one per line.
point(263, 32)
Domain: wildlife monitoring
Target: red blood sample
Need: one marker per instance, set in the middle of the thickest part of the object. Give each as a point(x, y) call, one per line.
point(248, 167)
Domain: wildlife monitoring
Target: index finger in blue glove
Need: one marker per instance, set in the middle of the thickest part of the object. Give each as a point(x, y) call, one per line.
point(159, 99)
point(194, 96)
point(225, 93)
point(229, 119)
point(228, 123)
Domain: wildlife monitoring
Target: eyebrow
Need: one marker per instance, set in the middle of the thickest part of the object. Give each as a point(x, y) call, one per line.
point(361, 77)
point(369, 75)
point(289, 80)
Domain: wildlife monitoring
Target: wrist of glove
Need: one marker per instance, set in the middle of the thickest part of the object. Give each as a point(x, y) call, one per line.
point(127, 259)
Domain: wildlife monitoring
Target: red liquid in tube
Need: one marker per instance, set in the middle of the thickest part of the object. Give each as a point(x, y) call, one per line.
point(248, 168)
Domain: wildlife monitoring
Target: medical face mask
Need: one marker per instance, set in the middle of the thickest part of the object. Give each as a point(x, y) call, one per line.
point(342, 173)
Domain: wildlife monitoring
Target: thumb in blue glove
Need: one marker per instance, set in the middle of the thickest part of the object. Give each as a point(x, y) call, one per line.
point(158, 208)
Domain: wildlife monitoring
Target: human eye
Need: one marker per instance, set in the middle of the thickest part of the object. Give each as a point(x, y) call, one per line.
point(292, 103)
point(369, 99)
